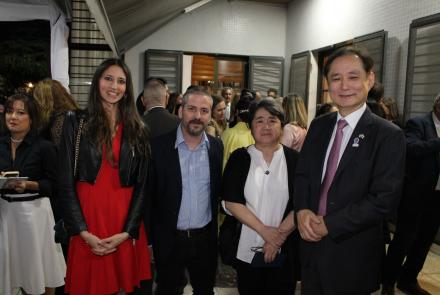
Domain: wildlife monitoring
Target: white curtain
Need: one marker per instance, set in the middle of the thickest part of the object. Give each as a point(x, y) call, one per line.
point(13, 10)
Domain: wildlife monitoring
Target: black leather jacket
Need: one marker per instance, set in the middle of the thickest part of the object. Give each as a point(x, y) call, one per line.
point(133, 169)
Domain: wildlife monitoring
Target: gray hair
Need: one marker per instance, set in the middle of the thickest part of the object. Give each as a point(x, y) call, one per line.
point(195, 91)
point(155, 92)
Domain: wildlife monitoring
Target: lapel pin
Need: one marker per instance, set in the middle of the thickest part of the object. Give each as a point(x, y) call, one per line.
point(361, 136)
point(355, 142)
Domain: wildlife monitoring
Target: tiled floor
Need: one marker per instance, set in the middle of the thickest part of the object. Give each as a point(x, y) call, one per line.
point(429, 278)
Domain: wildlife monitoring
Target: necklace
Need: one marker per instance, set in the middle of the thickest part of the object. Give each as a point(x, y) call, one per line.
point(16, 140)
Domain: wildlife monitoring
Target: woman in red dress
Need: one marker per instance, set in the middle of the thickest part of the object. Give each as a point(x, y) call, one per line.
point(102, 178)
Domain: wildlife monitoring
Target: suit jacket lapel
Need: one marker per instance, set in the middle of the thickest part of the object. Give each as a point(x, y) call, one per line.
point(432, 132)
point(350, 150)
point(174, 166)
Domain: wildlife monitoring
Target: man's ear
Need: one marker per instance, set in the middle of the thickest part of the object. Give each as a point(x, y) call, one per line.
point(143, 101)
point(180, 111)
point(371, 78)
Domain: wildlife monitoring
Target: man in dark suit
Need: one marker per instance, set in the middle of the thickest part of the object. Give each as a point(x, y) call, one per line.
point(185, 184)
point(348, 181)
point(418, 217)
point(157, 117)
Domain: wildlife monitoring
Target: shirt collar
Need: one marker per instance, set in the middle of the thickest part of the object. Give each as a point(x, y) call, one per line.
point(180, 139)
point(353, 118)
point(156, 107)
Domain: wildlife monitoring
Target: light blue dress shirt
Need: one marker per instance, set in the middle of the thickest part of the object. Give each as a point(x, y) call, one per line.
point(195, 209)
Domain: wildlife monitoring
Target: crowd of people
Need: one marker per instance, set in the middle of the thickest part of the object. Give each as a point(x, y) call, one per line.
point(128, 191)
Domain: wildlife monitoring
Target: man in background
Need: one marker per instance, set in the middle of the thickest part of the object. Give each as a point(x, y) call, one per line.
point(418, 217)
point(157, 117)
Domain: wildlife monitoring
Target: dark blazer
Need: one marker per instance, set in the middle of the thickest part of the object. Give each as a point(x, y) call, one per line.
point(365, 190)
point(160, 121)
point(423, 147)
point(165, 190)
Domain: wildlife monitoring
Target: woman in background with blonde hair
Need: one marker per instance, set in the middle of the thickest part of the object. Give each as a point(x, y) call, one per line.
point(54, 102)
point(295, 130)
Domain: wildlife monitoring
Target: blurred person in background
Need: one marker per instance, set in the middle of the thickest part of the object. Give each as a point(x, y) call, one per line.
point(295, 130)
point(29, 257)
point(218, 122)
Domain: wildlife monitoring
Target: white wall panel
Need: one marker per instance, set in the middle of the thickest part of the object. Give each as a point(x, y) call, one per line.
point(235, 27)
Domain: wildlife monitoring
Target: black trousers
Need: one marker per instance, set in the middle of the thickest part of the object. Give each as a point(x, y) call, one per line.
point(254, 281)
point(416, 228)
point(198, 255)
point(311, 283)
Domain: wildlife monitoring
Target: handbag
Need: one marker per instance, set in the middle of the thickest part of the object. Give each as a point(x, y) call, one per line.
point(61, 235)
point(229, 236)
point(258, 260)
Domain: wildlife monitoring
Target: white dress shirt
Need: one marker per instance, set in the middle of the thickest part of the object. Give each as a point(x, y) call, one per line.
point(352, 120)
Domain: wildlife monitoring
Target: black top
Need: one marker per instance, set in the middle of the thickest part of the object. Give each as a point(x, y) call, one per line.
point(34, 158)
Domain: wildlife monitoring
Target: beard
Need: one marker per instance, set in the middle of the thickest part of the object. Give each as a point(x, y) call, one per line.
point(191, 130)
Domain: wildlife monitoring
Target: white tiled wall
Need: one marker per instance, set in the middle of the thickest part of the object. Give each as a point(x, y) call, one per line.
point(221, 26)
point(313, 24)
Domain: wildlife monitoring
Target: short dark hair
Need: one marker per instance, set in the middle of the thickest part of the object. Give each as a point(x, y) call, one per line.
point(367, 61)
point(269, 105)
point(323, 108)
point(376, 92)
point(272, 90)
point(242, 107)
point(30, 105)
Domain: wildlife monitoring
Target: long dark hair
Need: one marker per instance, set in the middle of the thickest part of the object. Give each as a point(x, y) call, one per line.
point(98, 127)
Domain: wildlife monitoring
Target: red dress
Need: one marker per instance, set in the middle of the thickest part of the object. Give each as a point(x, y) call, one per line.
point(105, 206)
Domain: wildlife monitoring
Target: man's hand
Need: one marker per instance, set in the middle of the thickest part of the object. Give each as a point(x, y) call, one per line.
point(320, 228)
point(307, 221)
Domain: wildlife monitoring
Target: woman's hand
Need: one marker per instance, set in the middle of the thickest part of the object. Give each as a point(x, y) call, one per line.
point(95, 244)
point(18, 185)
point(270, 252)
point(287, 226)
point(111, 243)
point(272, 236)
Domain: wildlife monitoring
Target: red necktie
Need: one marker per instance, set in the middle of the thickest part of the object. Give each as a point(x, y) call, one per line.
point(332, 165)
